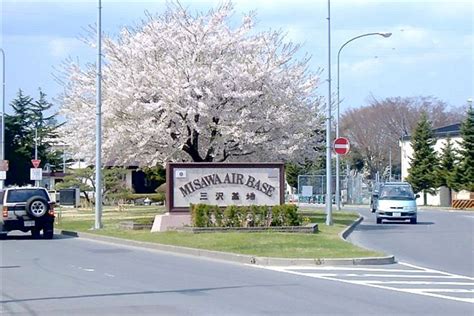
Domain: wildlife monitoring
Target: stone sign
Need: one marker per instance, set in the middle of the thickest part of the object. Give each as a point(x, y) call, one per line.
point(224, 184)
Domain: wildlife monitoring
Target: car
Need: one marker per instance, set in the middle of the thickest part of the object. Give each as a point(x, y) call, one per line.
point(396, 201)
point(27, 209)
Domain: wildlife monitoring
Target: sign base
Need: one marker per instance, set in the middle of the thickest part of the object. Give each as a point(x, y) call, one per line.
point(169, 221)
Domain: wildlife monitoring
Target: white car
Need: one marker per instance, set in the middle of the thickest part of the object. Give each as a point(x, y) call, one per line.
point(396, 201)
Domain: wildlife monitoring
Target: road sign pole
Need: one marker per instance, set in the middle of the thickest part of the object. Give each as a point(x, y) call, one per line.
point(2, 157)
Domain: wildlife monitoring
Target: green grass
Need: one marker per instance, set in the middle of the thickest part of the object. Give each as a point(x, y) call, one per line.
point(324, 244)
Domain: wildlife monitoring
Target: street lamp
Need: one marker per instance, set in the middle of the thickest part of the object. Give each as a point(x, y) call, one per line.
point(3, 112)
point(338, 191)
point(98, 124)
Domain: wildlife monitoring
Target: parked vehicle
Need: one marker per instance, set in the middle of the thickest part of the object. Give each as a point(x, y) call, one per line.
point(27, 209)
point(396, 201)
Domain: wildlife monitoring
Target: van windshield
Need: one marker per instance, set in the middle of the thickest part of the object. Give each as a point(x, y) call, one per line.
point(396, 192)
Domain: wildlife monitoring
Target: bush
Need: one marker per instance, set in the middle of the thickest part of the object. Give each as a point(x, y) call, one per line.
point(154, 197)
point(203, 215)
point(200, 215)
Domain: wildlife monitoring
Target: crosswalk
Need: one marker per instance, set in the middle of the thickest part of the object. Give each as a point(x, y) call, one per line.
point(401, 277)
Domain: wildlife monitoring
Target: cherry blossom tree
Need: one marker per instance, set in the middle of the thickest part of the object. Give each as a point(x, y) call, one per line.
point(183, 87)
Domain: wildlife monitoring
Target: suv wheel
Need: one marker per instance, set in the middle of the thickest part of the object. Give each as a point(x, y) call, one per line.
point(48, 231)
point(35, 233)
point(37, 206)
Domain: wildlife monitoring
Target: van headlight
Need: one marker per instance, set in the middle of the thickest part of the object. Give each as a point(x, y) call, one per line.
point(410, 208)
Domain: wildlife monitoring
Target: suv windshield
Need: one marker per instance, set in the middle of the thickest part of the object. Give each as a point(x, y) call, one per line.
point(22, 195)
point(396, 192)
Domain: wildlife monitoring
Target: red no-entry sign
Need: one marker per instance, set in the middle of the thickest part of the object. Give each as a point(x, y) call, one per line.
point(341, 146)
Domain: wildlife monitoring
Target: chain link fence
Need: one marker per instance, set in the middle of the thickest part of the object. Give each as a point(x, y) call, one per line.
point(355, 189)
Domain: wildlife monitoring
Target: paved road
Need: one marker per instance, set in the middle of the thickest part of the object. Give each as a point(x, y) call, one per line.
point(73, 276)
point(441, 240)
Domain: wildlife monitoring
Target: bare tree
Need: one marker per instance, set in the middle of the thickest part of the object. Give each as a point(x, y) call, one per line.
point(376, 129)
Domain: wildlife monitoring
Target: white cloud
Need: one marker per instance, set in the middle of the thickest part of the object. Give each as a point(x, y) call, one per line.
point(63, 46)
point(58, 47)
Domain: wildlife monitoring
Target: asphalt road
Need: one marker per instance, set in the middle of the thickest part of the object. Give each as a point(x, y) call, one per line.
point(441, 240)
point(74, 276)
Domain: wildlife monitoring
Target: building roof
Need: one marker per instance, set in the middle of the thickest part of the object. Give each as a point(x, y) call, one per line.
point(443, 132)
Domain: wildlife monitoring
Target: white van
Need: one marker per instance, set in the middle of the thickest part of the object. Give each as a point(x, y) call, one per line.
point(396, 201)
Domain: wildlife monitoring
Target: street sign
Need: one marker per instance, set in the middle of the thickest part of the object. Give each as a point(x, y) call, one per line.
point(36, 163)
point(36, 174)
point(341, 146)
point(3, 165)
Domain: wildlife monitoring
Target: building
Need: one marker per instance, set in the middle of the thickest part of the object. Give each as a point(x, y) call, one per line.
point(441, 134)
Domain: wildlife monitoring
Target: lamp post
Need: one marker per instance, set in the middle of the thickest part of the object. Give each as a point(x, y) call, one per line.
point(338, 190)
point(98, 134)
point(328, 129)
point(3, 112)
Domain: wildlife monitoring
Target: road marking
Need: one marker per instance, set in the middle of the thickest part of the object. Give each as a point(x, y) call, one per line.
point(435, 271)
point(443, 290)
point(415, 282)
point(432, 291)
point(352, 269)
point(398, 276)
point(86, 269)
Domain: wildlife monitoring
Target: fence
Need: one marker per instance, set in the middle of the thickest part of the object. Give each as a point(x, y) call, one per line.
point(354, 188)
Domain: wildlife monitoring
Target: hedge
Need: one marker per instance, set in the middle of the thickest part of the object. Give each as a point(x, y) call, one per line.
point(203, 215)
point(154, 197)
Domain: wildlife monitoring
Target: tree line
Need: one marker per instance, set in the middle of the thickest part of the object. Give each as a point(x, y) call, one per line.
point(452, 168)
point(30, 124)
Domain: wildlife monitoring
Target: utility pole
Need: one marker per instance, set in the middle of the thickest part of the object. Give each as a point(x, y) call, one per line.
point(390, 165)
point(3, 113)
point(328, 129)
point(36, 152)
point(98, 134)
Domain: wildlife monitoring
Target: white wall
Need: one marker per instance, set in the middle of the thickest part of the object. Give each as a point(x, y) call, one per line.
point(407, 154)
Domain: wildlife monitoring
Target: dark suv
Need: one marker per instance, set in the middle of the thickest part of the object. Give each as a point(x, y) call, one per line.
point(27, 209)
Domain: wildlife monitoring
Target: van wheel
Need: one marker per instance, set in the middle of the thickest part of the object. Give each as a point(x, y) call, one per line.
point(413, 220)
point(379, 221)
point(3, 236)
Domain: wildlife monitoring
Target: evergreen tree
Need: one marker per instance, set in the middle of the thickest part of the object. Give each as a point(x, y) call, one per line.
point(445, 172)
point(423, 164)
point(27, 116)
point(465, 172)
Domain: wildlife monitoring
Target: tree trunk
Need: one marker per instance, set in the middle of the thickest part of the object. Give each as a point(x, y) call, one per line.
point(425, 197)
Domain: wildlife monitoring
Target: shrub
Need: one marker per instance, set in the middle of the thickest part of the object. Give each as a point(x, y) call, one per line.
point(231, 216)
point(200, 215)
point(154, 197)
point(203, 215)
point(277, 216)
point(290, 215)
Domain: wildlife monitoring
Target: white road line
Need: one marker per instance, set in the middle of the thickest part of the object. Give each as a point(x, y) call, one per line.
point(412, 282)
point(369, 275)
point(352, 269)
point(443, 290)
point(434, 271)
point(374, 285)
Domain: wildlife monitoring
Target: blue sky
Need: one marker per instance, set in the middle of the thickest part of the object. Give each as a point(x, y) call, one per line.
point(429, 54)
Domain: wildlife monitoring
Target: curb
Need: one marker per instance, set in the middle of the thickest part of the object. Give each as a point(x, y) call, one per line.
point(346, 232)
point(239, 258)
